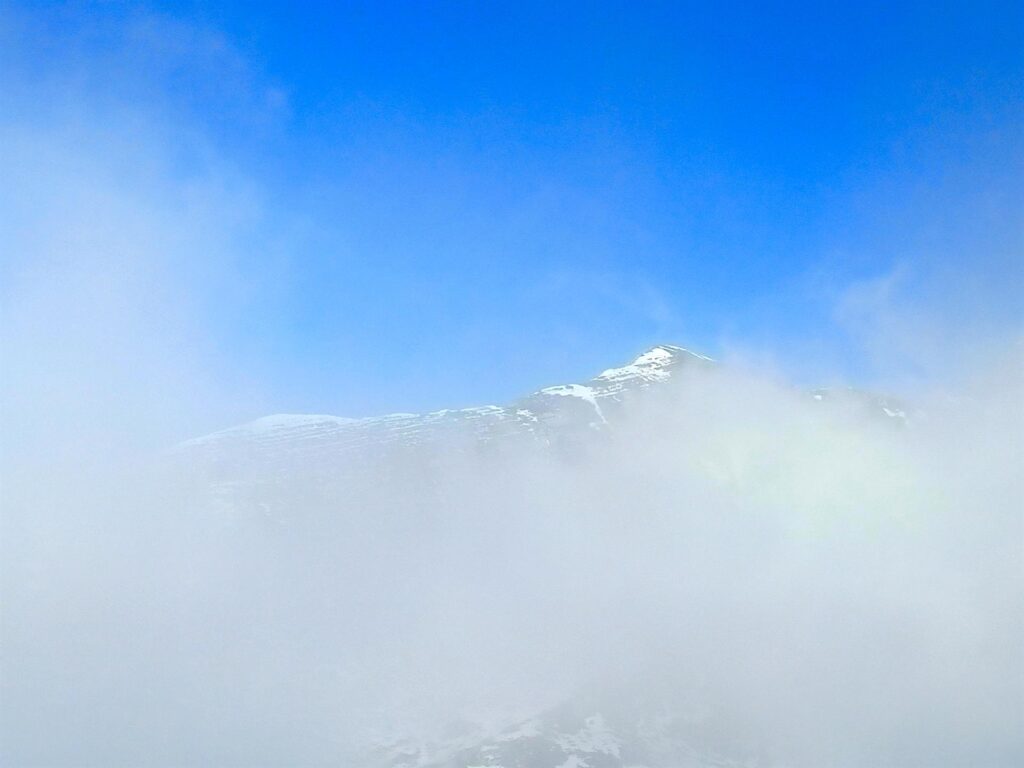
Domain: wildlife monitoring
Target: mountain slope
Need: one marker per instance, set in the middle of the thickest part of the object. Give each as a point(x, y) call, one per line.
point(243, 464)
point(582, 405)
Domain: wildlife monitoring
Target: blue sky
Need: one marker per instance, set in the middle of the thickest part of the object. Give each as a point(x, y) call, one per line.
point(405, 206)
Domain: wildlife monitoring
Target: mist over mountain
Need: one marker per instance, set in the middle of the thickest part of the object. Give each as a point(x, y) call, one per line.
point(676, 563)
point(565, 422)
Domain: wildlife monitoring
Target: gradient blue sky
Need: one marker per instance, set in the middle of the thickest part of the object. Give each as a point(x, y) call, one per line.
point(423, 205)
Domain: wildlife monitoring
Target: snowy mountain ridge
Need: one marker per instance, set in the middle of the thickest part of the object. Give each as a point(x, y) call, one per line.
point(546, 415)
point(655, 365)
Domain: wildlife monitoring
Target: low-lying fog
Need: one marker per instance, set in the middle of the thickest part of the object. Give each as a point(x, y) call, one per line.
point(835, 589)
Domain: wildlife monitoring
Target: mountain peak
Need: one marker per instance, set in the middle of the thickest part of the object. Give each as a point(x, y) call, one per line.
point(652, 364)
point(669, 351)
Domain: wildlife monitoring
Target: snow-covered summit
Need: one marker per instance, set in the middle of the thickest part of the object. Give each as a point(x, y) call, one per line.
point(656, 363)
